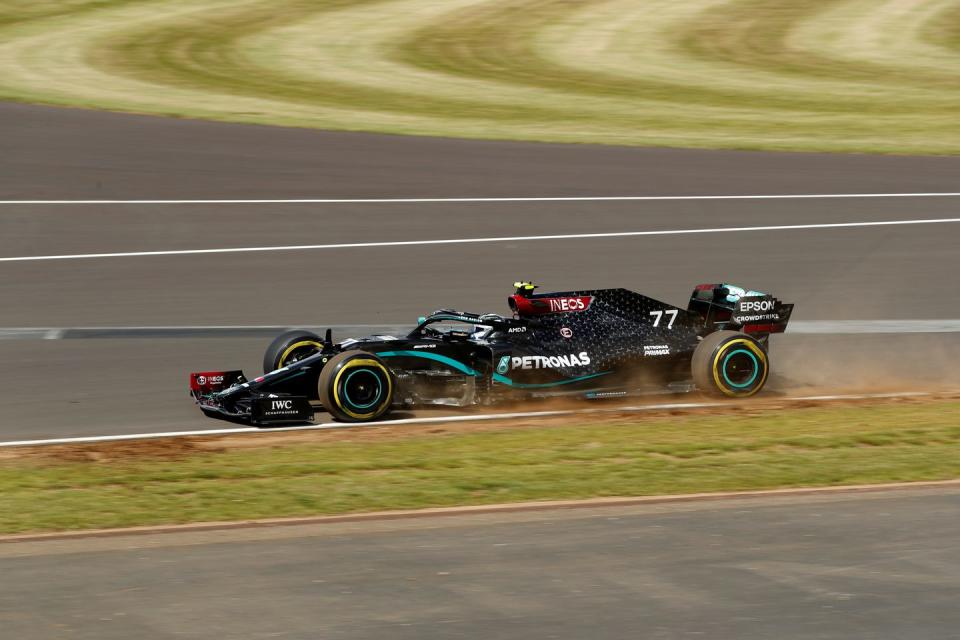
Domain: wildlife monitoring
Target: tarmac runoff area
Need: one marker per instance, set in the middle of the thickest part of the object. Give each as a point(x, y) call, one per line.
point(129, 386)
point(875, 310)
point(881, 564)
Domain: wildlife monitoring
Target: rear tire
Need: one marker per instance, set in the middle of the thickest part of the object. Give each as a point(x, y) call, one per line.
point(290, 347)
point(356, 386)
point(730, 364)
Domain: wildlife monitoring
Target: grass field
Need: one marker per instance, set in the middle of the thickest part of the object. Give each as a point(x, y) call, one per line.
point(366, 470)
point(833, 75)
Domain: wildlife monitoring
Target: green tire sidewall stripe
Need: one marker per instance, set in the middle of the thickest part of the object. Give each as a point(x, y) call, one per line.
point(346, 396)
point(756, 369)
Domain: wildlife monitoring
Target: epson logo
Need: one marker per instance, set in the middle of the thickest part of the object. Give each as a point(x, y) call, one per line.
point(550, 362)
point(277, 405)
point(757, 305)
point(759, 309)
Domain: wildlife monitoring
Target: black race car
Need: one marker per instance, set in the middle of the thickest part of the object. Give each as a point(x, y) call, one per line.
point(603, 343)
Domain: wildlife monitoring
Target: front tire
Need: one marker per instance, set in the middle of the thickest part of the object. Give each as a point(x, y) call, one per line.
point(356, 386)
point(290, 347)
point(730, 364)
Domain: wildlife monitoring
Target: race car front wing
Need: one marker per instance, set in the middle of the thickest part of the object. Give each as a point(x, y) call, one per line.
point(229, 396)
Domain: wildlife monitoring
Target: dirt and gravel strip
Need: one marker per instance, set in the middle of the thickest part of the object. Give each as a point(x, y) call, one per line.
point(567, 411)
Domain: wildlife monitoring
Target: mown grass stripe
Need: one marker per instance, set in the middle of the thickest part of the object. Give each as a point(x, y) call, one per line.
point(836, 75)
point(174, 482)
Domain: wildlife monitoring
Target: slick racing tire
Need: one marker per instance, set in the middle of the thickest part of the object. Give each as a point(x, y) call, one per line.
point(290, 347)
point(730, 364)
point(356, 386)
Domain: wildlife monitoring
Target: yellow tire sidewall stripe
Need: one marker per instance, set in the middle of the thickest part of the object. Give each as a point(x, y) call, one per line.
point(296, 345)
point(724, 348)
point(352, 364)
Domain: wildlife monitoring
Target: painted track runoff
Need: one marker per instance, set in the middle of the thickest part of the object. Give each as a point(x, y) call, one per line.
point(882, 564)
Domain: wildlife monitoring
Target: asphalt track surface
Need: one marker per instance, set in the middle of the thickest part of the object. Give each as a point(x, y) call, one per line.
point(796, 568)
point(88, 387)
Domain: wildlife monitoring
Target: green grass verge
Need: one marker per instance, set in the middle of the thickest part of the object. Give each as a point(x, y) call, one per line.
point(789, 448)
point(833, 75)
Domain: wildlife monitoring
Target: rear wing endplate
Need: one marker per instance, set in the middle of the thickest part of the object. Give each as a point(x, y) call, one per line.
point(727, 306)
point(761, 314)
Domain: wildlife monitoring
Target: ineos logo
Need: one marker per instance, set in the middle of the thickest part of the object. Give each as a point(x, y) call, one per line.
point(281, 404)
point(567, 304)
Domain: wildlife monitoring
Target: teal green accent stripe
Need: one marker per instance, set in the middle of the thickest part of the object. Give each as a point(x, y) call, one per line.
point(520, 385)
point(756, 369)
point(295, 374)
point(354, 404)
point(456, 319)
point(426, 355)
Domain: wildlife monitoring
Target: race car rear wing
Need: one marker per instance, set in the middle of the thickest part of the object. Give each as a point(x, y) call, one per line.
point(726, 306)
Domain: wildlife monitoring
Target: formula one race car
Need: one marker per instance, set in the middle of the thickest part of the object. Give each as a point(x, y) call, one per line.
point(603, 343)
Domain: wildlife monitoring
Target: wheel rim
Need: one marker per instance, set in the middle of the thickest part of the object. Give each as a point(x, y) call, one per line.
point(362, 388)
point(740, 368)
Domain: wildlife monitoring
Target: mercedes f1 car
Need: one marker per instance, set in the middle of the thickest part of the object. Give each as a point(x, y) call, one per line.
point(603, 343)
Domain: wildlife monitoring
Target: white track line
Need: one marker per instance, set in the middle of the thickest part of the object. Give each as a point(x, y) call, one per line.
point(312, 427)
point(790, 196)
point(440, 419)
point(409, 243)
point(872, 326)
point(827, 327)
